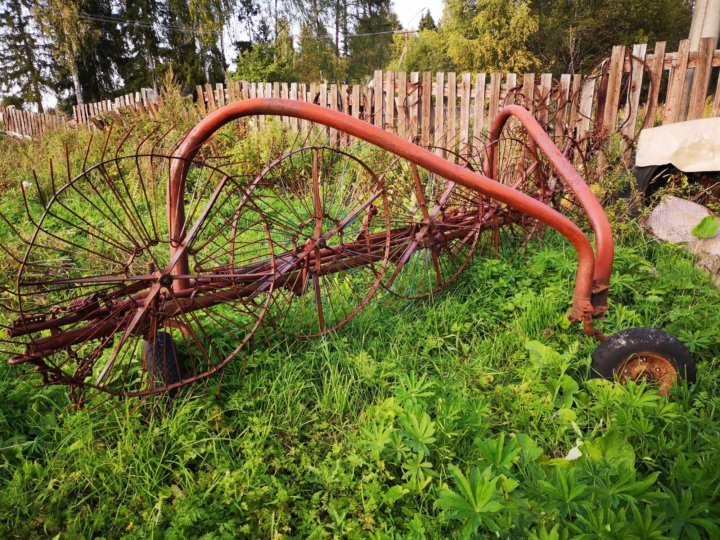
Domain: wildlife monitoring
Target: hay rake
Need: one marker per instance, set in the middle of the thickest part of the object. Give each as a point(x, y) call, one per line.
point(147, 272)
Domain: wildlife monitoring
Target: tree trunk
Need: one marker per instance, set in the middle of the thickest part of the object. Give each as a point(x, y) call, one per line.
point(76, 84)
point(38, 94)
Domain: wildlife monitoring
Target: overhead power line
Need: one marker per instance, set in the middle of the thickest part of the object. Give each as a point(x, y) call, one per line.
point(111, 19)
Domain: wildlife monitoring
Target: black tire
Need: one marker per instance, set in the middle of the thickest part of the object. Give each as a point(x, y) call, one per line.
point(611, 359)
point(161, 360)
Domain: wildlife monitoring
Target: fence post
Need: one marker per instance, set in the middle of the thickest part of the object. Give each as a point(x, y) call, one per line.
point(701, 78)
point(465, 114)
point(451, 139)
point(378, 98)
point(612, 98)
point(439, 120)
point(637, 65)
point(656, 72)
point(673, 101)
point(390, 101)
point(479, 116)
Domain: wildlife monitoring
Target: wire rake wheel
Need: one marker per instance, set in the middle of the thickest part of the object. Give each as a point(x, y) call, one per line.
point(520, 165)
point(328, 214)
point(436, 229)
point(96, 284)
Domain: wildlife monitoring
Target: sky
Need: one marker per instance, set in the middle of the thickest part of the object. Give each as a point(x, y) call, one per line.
point(410, 11)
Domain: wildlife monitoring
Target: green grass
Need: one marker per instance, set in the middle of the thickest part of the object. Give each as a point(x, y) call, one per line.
point(449, 417)
point(372, 431)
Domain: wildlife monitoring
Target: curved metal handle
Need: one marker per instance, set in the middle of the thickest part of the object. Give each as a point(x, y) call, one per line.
point(582, 308)
point(598, 219)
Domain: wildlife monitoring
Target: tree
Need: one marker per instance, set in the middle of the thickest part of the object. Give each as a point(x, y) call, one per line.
point(316, 59)
point(180, 37)
point(84, 43)
point(24, 67)
point(489, 34)
point(574, 35)
point(142, 43)
point(208, 19)
point(66, 31)
point(371, 46)
point(101, 52)
point(425, 52)
point(268, 60)
point(427, 22)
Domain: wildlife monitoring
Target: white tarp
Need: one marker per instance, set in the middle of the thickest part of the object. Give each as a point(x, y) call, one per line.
point(692, 146)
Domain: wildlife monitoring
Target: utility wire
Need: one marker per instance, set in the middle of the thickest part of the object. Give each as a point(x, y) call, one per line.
point(107, 19)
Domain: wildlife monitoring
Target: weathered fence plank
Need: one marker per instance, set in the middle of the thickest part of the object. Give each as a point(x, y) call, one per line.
point(676, 84)
point(701, 79)
point(450, 109)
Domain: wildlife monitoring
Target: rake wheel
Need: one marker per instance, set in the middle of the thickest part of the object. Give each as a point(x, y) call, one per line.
point(328, 214)
point(441, 229)
point(512, 161)
point(97, 280)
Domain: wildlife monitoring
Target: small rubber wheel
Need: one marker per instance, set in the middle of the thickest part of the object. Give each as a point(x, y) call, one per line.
point(644, 354)
point(161, 361)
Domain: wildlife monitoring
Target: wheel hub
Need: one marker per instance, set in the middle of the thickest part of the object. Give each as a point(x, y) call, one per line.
point(650, 367)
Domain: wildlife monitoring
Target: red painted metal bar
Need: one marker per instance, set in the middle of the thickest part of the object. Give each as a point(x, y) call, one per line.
point(582, 308)
point(598, 219)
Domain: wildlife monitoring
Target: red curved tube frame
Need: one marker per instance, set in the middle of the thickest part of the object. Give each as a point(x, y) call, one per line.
point(582, 308)
point(598, 219)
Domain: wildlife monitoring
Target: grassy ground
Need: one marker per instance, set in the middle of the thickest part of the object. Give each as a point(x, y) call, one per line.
point(441, 418)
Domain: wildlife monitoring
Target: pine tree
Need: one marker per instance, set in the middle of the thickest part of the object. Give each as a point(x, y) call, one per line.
point(316, 60)
point(142, 42)
point(374, 51)
point(182, 53)
point(23, 64)
point(65, 30)
point(427, 22)
point(102, 51)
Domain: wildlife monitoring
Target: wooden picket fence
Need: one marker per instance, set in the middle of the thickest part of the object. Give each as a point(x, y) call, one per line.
point(21, 123)
point(631, 89)
point(145, 100)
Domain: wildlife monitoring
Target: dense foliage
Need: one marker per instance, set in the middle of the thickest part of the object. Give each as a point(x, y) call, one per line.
point(517, 35)
point(93, 49)
point(453, 417)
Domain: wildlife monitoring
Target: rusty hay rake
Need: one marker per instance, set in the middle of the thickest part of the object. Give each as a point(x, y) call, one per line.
point(136, 266)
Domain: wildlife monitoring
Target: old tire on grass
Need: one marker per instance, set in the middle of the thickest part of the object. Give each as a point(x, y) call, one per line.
point(161, 361)
point(644, 354)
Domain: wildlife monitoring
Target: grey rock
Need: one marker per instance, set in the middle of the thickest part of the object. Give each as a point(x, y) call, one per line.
point(674, 219)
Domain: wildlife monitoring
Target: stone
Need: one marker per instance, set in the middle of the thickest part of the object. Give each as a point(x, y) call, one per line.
point(708, 255)
point(674, 219)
